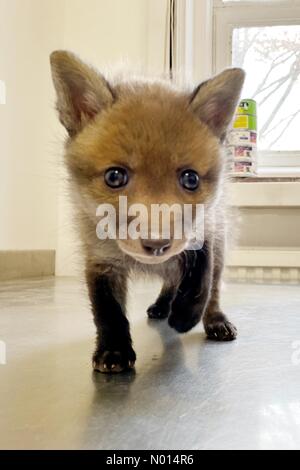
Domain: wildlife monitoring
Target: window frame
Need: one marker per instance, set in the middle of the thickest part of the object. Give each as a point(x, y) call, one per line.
point(230, 15)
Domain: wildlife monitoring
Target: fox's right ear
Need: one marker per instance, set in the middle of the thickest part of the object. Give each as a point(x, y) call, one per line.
point(215, 100)
point(81, 91)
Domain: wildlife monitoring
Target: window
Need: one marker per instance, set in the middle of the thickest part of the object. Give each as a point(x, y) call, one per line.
point(263, 37)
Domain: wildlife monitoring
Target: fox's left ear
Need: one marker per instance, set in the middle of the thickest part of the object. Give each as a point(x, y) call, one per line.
point(81, 91)
point(215, 101)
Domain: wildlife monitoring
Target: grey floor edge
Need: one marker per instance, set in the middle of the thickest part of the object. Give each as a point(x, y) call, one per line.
point(186, 392)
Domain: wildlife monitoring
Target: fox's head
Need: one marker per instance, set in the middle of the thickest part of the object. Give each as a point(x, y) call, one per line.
point(144, 140)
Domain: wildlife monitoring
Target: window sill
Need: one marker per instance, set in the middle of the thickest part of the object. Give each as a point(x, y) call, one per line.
point(266, 192)
point(274, 173)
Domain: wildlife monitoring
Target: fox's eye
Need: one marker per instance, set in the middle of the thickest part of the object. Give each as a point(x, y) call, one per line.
point(189, 179)
point(116, 177)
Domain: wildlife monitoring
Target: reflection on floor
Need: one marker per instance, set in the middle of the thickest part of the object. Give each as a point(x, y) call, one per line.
point(186, 392)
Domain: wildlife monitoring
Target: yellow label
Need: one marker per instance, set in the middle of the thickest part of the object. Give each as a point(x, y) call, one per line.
point(241, 122)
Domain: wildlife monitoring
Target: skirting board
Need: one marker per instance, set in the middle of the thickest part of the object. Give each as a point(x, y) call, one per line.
point(265, 275)
point(26, 264)
point(244, 264)
point(273, 265)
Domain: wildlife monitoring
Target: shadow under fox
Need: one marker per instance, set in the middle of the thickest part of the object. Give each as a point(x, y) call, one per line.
point(152, 143)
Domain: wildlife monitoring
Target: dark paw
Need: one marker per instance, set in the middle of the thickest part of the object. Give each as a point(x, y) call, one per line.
point(220, 329)
point(183, 322)
point(158, 311)
point(111, 362)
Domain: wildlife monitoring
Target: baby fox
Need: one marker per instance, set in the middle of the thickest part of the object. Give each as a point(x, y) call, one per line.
point(151, 143)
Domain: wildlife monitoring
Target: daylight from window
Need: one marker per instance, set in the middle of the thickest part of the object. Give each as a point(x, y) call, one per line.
point(271, 57)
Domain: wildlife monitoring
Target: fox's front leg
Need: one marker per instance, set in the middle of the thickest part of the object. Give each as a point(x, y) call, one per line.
point(216, 324)
point(107, 291)
point(194, 290)
point(163, 304)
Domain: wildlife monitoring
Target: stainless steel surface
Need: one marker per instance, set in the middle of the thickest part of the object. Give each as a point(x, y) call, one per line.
point(186, 393)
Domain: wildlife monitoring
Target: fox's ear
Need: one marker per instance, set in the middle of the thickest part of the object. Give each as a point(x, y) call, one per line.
point(215, 101)
point(81, 91)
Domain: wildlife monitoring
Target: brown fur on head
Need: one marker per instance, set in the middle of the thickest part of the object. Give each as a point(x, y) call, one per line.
point(151, 129)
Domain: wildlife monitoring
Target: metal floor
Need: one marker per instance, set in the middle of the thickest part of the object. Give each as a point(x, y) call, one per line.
point(186, 392)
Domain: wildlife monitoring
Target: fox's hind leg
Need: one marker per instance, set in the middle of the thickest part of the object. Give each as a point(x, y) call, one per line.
point(162, 307)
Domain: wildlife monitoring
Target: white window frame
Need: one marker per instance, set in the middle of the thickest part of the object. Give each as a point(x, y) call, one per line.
point(230, 15)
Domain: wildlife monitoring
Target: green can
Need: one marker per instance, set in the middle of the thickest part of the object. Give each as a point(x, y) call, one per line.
point(247, 106)
point(245, 117)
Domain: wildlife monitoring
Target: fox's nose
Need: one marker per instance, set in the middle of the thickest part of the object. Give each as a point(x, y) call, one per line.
point(156, 247)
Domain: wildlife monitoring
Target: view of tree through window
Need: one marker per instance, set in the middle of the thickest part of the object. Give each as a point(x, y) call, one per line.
point(271, 57)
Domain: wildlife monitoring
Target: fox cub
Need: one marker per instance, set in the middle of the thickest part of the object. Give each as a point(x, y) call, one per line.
point(153, 143)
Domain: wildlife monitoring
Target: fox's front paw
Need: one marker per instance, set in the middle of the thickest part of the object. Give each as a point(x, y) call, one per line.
point(219, 328)
point(181, 324)
point(111, 362)
point(158, 311)
point(184, 317)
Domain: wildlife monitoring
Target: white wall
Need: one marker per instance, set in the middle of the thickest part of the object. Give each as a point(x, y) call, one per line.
point(104, 33)
point(34, 209)
point(107, 31)
point(29, 30)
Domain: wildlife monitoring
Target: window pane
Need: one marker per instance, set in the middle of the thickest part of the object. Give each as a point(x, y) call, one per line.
point(271, 57)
